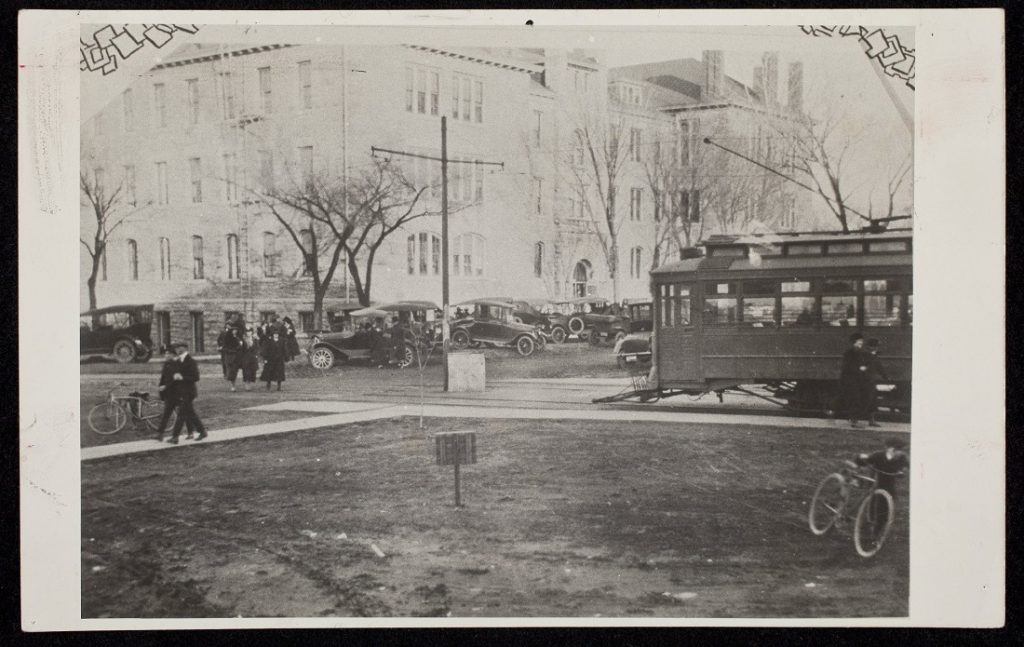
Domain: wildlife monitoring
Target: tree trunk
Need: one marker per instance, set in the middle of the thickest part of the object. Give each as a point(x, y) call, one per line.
point(613, 267)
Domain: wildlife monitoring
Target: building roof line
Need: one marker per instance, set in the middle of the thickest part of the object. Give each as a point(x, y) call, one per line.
point(474, 59)
point(213, 56)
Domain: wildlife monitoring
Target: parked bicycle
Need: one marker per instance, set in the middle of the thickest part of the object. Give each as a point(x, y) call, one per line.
point(112, 415)
point(852, 494)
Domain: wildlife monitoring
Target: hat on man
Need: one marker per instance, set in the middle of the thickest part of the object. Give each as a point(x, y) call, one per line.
point(179, 344)
point(856, 337)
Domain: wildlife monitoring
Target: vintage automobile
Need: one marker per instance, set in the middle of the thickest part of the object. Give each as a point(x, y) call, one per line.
point(490, 322)
point(539, 313)
point(595, 319)
point(328, 349)
point(122, 331)
point(634, 350)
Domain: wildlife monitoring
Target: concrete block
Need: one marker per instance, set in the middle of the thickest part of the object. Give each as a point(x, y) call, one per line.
point(466, 372)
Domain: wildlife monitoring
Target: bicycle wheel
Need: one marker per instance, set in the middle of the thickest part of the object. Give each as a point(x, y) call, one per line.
point(107, 418)
point(874, 519)
point(828, 504)
point(152, 410)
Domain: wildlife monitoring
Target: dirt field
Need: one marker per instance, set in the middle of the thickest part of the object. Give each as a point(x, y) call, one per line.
point(562, 518)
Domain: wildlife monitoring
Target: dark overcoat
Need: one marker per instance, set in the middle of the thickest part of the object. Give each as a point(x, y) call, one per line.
point(274, 358)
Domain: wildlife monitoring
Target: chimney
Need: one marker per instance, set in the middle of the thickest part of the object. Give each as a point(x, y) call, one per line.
point(714, 62)
point(796, 87)
point(759, 81)
point(770, 63)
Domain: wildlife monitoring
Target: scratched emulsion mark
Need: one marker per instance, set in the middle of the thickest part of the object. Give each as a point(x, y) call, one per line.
point(896, 59)
point(112, 42)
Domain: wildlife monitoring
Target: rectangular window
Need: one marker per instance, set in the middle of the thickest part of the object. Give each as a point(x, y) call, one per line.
point(759, 312)
point(675, 305)
point(803, 249)
point(421, 91)
point(306, 321)
point(227, 96)
point(839, 310)
point(718, 308)
point(538, 259)
point(127, 100)
point(129, 184)
point(160, 104)
point(197, 257)
point(306, 84)
point(435, 93)
point(839, 285)
point(478, 101)
point(684, 143)
point(230, 177)
point(198, 332)
point(467, 98)
point(478, 183)
point(409, 88)
point(423, 253)
point(435, 254)
point(798, 311)
point(196, 175)
point(538, 118)
point(846, 248)
point(634, 203)
point(882, 309)
point(758, 288)
point(538, 195)
point(234, 268)
point(796, 286)
point(889, 246)
point(266, 98)
point(410, 253)
point(269, 254)
point(634, 144)
point(161, 182)
point(192, 95)
point(455, 97)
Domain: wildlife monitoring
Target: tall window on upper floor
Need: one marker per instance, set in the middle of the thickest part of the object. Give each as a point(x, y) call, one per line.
point(234, 266)
point(635, 144)
point(165, 259)
point(468, 253)
point(635, 195)
point(266, 99)
point(466, 181)
point(195, 172)
point(227, 95)
point(161, 183)
point(636, 262)
point(197, 257)
point(306, 238)
point(422, 90)
point(133, 260)
point(128, 103)
point(192, 95)
point(230, 177)
point(269, 254)
point(538, 196)
point(538, 122)
point(467, 98)
point(423, 253)
point(684, 145)
point(538, 259)
point(305, 84)
point(160, 104)
point(129, 184)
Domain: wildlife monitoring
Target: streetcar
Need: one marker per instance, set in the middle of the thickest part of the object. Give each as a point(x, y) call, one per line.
point(776, 312)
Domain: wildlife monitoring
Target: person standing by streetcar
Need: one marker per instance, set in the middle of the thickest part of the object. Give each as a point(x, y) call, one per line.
point(854, 381)
point(876, 375)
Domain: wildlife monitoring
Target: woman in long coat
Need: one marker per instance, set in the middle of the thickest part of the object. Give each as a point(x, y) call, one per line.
point(273, 356)
point(291, 343)
point(854, 382)
point(249, 358)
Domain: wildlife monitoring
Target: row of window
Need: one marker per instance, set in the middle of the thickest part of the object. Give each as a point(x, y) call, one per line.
point(795, 303)
point(229, 103)
point(423, 254)
point(197, 271)
point(423, 94)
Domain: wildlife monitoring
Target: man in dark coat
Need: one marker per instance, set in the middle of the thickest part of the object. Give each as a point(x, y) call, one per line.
point(273, 355)
point(231, 347)
point(222, 340)
point(397, 341)
point(168, 390)
point(853, 380)
point(184, 379)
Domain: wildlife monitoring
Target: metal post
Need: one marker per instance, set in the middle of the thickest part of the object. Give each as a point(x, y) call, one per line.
point(458, 495)
point(444, 269)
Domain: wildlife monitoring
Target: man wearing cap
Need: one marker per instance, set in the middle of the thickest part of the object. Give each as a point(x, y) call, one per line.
point(185, 378)
point(854, 381)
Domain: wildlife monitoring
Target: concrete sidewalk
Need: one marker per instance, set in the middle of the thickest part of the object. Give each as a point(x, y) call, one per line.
point(339, 413)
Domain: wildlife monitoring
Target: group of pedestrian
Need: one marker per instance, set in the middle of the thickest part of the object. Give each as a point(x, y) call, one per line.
point(242, 347)
point(387, 346)
point(177, 388)
point(859, 376)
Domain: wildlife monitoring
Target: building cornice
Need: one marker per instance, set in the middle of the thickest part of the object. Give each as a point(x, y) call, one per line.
point(214, 56)
point(475, 59)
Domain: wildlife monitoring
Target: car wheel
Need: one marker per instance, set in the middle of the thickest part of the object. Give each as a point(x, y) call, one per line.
point(525, 345)
point(541, 342)
point(321, 358)
point(144, 355)
point(576, 325)
point(460, 339)
point(593, 337)
point(408, 357)
point(124, 351)
point(558, 334)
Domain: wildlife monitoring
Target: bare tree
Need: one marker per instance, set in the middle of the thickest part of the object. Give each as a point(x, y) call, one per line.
point(107, 210)
point(897, 176)
point(332, 221)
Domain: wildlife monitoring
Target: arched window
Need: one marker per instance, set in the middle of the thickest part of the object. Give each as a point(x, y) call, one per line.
point(269, 254)
point(306, 238)
point(133, 260)
point(468, 252)
point(165, 259)
point(197, 257)
point(581, 278)
point(423, 253)
point(234, 269)
point(538, 259)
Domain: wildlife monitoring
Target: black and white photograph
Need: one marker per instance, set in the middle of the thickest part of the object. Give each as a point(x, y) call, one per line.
point(567, 320)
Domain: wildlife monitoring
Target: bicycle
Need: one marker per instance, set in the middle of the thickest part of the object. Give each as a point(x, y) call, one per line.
point(875, 509)
point(111, 415)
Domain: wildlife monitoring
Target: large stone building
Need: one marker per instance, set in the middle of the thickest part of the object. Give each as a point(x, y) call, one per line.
point(188, 140)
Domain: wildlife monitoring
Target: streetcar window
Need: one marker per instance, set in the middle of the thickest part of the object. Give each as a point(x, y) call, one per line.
point(759, 312)
point(889, 246)
point(839, 310)
point(766, 249)
point(910, 309)
point(883, 285)
point(675, 305)
point(798, 311)
point(682, 305)
point(839, 285)
point(719, 310)
point(736, 252)
point(721, 288)
point(796, 286)
point(846, 248)
point(758, 287)
point(803, 249)
point(881, 309)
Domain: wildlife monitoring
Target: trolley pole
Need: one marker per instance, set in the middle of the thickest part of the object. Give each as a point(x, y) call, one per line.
point(445, 332)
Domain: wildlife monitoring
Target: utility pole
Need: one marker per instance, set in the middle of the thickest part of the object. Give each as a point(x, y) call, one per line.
point(445, 296)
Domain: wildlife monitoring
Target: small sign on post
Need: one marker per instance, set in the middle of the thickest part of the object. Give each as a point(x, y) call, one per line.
point(455, 448)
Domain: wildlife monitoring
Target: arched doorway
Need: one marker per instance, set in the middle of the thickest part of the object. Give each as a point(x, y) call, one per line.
point(581, 279)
